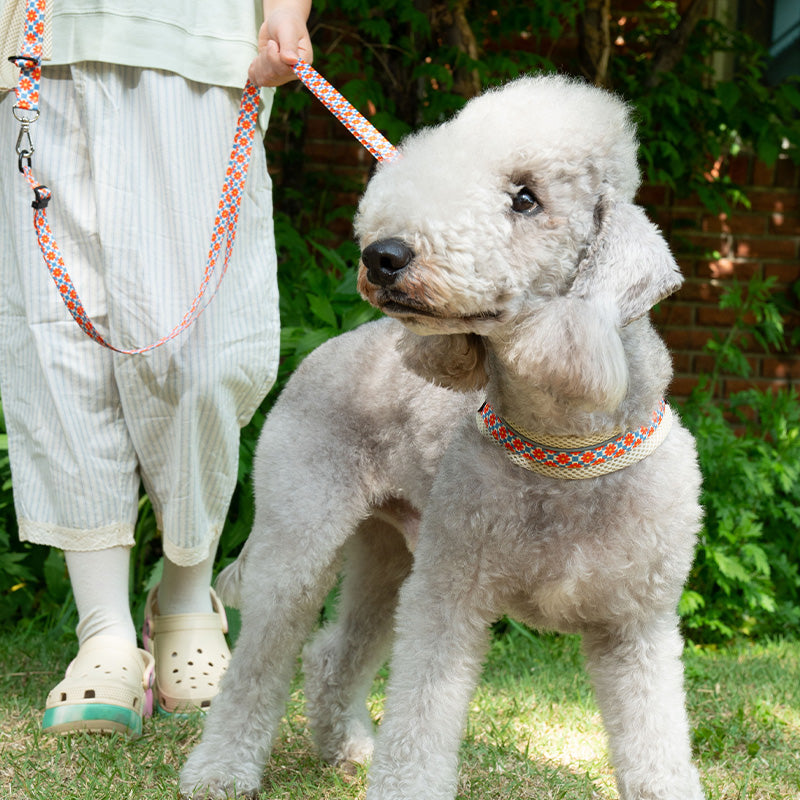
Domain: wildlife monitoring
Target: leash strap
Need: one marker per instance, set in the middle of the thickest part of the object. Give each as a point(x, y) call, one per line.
point(343, 110)
point(29, 62)
point(222, 238)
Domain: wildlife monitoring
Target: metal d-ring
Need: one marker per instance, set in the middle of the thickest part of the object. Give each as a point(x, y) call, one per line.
point(24, 120)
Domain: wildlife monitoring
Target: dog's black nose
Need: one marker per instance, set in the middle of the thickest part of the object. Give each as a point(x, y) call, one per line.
point(385, 259)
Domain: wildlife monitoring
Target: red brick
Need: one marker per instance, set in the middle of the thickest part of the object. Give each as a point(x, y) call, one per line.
point(682, 385)
point(781, 368)
point(682, 362)
point(775, 200)
point(736, 224)
point(670, 313)
point(733, 385)
point(663, 218)
point(689, 292)
point(652, 195)
point(687, 266)
point(695, 291)
point(784, 224)
point(726, 268)
point(686, 339)
point(681, 220)
point(739, 169)
point(703, 242)
point(703, 363)
point(787, 173)
point(765, 248)
point(713, 316)
point(785, 272)
point(762, 174)
point(689, 201)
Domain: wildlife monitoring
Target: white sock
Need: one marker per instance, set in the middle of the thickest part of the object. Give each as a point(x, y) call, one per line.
point(99, 581)
point(185, 590)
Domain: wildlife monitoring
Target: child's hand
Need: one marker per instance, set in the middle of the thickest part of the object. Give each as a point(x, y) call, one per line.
point(282, 41)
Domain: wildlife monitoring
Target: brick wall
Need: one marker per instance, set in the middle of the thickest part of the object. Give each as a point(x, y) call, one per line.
point(712, 249)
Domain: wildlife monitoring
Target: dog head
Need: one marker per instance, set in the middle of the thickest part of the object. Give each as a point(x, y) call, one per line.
point(522, 200)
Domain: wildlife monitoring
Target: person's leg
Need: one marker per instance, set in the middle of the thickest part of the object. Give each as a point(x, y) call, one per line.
point(73, 463)
point(107, 685)
point(99, 580)
point(184, 403)
point(184, 629)
point(184, 590)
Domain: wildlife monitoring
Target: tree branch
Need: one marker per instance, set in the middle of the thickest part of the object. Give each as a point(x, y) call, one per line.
point(594, 41)
point(670, 48)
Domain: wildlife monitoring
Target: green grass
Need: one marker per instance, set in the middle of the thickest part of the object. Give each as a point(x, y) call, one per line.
point(533, 731)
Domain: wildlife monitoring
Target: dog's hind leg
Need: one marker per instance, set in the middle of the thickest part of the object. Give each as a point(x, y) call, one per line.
point(442, 638)
point(638, 679)
point(341, 661)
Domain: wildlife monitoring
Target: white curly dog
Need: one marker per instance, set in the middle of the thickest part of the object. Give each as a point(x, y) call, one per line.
point(506, 243)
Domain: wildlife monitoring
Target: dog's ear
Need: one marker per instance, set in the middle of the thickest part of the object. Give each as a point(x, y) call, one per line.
point(628, 264)
point(456, 361)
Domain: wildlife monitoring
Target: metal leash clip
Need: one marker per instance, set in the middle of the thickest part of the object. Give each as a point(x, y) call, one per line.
point(25, 148)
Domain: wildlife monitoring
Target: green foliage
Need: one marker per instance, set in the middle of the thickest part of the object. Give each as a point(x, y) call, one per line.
point(746, 578)
point(691, 121)
point(318, 293)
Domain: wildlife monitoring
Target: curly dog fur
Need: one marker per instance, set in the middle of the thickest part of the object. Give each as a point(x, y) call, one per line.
point(505, 245)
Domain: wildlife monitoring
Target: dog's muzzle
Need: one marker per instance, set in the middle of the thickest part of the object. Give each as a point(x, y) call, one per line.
point(385, 260)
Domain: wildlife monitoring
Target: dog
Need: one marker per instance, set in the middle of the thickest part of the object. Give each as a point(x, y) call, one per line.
point(498, 445)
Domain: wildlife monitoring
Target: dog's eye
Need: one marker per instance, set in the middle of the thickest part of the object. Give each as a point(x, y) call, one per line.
point(525, 202)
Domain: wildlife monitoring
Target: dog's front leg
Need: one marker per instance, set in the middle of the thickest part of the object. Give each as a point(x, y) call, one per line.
point(440, 645)
point(638, 679)
point(284, 585)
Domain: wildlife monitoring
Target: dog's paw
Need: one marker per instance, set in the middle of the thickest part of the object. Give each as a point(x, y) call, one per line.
point(350, 741)
point(208, 778)
point(357, 750)
point(216, 789)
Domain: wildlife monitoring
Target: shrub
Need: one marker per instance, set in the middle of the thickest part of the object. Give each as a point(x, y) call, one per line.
point(746, 578)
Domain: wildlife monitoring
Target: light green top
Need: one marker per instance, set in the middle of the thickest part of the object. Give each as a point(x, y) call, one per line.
point(209, 41)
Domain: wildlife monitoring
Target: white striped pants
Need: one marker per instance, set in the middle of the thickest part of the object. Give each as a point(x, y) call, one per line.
point(135, 160)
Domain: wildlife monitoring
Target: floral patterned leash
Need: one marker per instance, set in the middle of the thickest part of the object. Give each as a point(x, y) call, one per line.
point(26, 112)
point(342, 109)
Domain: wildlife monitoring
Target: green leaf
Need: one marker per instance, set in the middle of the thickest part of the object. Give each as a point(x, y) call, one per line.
point(322, 309)
point(730, 567)
point(729, 94)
